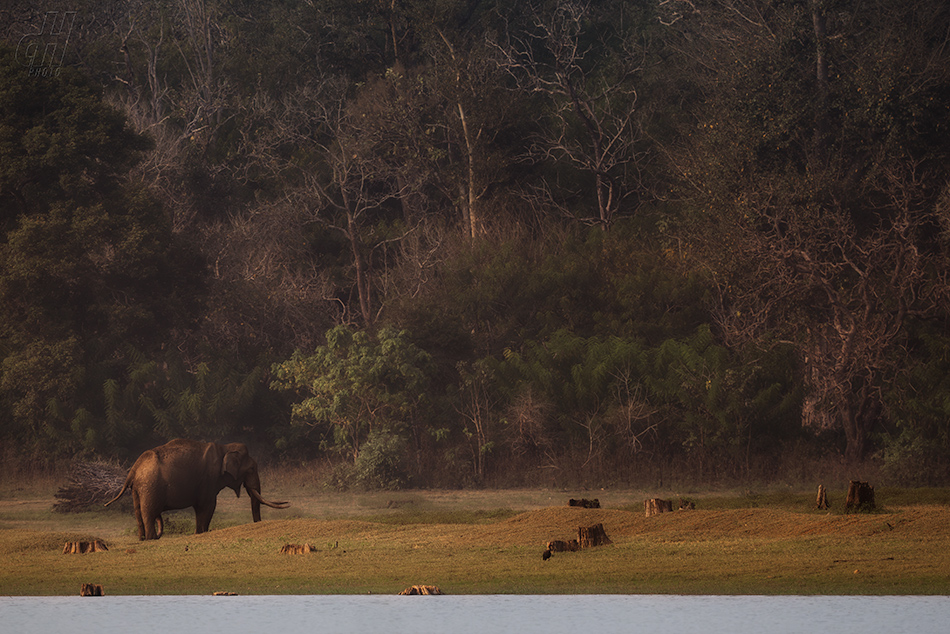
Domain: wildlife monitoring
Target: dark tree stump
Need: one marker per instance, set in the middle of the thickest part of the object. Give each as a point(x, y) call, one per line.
point(860, 496)
point(585, 503)
point(90, 590)
point(561, 546)
point(590, 536)
point(821, 502)
point(656, 505)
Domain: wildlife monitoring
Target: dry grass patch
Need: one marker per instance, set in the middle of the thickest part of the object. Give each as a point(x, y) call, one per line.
point(380, 549)
point(536, 528)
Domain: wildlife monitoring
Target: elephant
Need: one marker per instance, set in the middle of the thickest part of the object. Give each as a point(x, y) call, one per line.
point(188, 473)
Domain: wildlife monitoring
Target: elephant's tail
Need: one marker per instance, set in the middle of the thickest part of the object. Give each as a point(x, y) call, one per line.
point(126, 485)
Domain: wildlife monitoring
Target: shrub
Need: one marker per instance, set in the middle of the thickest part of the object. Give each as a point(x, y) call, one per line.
point(380, 464)
point(912, 460)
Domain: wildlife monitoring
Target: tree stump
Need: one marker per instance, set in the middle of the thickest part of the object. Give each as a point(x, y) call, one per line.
point(821, 502)
point(561, 546)
point(90, 590)
point(860, 496)
point(656, 505)
point(590, 536)
point(296, 549)
point(585, 503)
point(81, 548)
point(413, 590)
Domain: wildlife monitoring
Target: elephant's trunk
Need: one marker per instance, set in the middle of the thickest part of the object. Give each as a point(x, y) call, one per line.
point(252, 484)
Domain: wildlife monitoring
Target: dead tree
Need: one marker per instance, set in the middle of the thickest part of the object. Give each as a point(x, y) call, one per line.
point(595, 125)
point(821, 502)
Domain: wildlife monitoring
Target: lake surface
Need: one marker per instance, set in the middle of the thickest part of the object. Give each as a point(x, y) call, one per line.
point(476, 614)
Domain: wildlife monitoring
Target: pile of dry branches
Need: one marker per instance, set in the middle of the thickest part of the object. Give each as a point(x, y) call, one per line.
point(90, 484)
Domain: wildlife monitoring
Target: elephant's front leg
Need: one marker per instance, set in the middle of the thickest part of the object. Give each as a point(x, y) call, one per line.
point(203, 514)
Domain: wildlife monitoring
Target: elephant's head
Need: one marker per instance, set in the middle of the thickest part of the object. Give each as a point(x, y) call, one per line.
point(237, 469)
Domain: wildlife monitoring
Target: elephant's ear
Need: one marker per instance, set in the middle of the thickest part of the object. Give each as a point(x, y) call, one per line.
point(232, 464)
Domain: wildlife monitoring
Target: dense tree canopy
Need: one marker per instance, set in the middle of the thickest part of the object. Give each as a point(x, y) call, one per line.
point(456, 242)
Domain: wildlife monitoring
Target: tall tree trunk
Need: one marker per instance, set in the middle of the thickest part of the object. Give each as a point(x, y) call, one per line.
point(855, 432)
point(363, 286)
point(821, 41)
point(470, 216)
point(474, 222)
point(821, 76)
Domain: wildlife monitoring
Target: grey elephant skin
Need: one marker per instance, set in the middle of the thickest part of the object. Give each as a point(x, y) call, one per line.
point(188, 473)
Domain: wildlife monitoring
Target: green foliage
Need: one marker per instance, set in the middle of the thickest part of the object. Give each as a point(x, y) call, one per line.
point(165, 398)
point(724, 403)
point(58, 141)
point(916, 449)
point(577, 373)
point(356, 384)
point(41, 382)
point(381, 463)
point(88, 264)
point(627, 398)
point(82, 250)
point(912, 459)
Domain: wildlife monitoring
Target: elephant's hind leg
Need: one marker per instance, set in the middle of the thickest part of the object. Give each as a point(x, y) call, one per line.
point(137, 505)
point(147, 517)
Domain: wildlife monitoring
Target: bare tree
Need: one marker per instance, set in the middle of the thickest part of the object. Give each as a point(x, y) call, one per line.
point(476, 409)
point(841, 295)
point(594, 106)
point(814, 184)
point(348, 186)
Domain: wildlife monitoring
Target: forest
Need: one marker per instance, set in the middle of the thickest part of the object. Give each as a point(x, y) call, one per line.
point(461, 243)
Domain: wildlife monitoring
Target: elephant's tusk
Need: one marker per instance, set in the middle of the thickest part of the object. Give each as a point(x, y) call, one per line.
point(274, 505)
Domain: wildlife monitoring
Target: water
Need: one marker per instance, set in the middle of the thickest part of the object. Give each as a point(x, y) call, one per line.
point(475, 614)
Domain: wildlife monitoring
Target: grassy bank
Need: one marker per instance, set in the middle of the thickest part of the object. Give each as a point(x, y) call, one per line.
point(491, 542)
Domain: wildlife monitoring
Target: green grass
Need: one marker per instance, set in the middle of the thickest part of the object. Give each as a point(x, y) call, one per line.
point(491, 542)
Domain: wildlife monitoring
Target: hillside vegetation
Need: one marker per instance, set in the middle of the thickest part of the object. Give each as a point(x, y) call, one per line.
point(480, 243)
